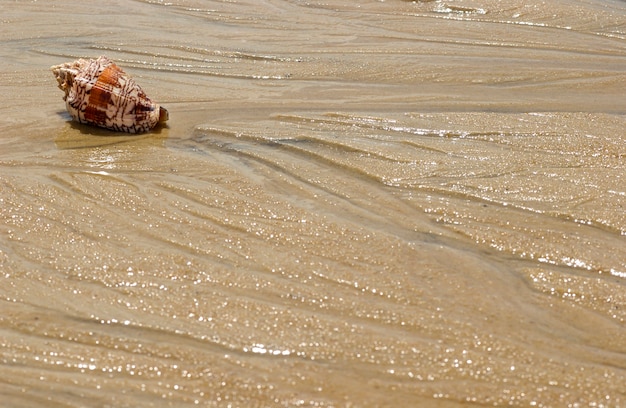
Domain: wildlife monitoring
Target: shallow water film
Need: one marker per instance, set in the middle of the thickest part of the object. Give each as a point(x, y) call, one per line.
point(353, 204)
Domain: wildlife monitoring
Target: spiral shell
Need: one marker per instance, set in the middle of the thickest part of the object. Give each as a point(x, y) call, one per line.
point(100, 93)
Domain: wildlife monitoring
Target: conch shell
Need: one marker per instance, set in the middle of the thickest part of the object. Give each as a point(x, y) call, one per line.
point(100, 93)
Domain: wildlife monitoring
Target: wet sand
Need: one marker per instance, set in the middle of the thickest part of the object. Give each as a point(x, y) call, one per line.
point(386, 203)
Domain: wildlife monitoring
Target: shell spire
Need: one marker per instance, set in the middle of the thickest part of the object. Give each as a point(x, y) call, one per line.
point(100, 93)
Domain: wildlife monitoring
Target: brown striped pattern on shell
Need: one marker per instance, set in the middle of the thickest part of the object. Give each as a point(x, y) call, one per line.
point(100, 93)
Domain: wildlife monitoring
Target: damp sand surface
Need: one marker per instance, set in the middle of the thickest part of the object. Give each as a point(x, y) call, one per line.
point(378, 203)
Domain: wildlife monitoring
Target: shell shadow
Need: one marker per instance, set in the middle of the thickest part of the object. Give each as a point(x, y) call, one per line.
point(78, 136)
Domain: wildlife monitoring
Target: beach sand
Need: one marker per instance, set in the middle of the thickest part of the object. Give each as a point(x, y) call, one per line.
point(379, 203)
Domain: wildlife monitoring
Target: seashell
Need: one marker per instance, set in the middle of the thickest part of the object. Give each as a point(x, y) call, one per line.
point(100, 93)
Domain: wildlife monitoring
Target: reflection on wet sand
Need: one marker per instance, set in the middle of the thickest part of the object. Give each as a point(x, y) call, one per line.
point(374, 204)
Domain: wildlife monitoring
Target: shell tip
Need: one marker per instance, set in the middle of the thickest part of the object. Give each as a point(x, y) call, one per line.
point(164, 115)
